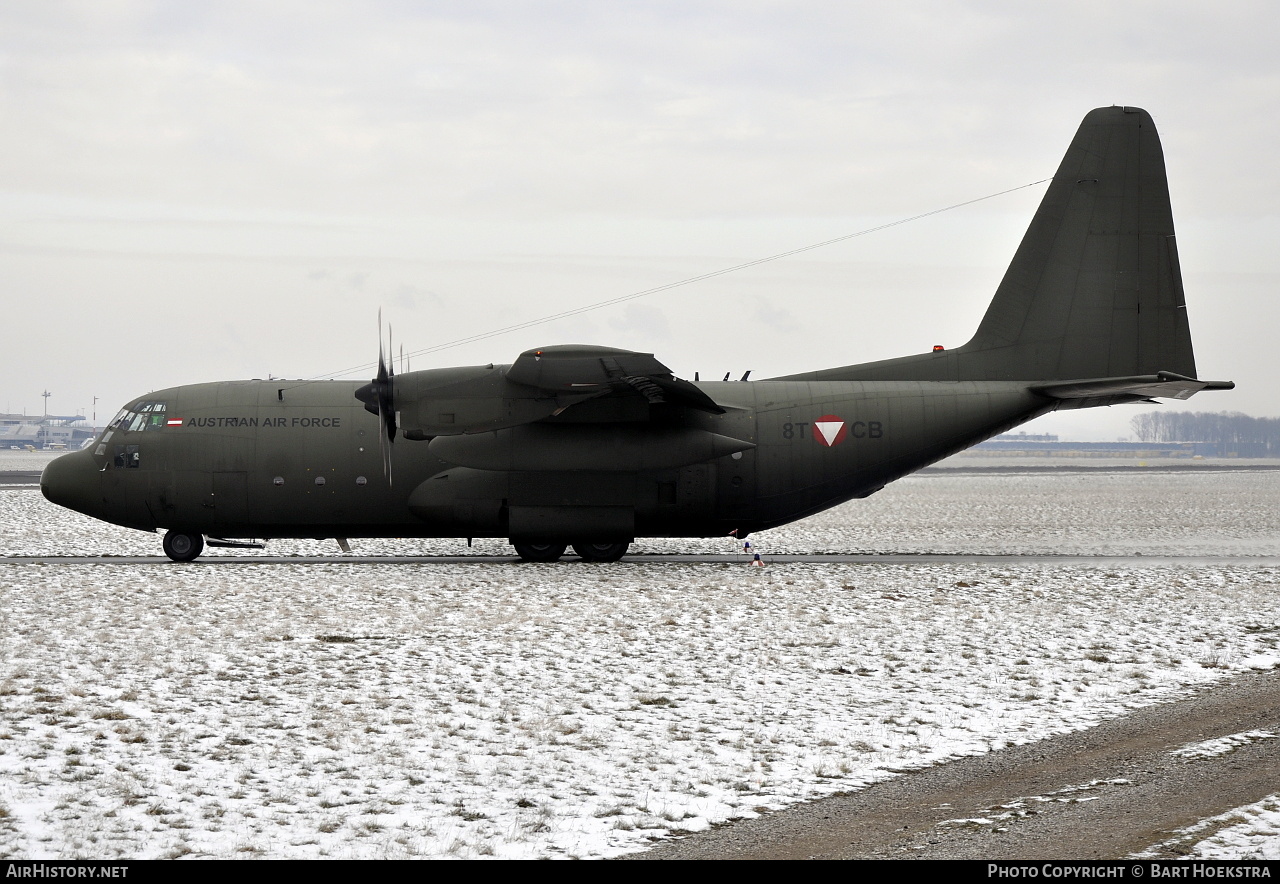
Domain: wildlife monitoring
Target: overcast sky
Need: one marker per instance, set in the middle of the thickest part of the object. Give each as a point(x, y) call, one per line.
point(194, 192)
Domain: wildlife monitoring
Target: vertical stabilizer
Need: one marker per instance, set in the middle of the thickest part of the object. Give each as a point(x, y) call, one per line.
point(1094, 290)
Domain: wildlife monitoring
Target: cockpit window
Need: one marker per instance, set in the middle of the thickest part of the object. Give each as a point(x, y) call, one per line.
point(140, 416)
point(155, 417)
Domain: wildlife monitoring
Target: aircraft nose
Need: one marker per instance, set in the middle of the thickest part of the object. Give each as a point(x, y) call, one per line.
point(71, 481)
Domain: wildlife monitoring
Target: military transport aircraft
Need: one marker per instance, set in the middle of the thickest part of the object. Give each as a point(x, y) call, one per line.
point(594, 446)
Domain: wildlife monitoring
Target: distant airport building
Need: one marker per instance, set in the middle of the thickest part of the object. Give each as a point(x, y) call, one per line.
point(1045, 445)
point(49, 431)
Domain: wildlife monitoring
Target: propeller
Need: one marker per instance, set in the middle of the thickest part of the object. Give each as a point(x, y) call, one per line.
point(378, 397)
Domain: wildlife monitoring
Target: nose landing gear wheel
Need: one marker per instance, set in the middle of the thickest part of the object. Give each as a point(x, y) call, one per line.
point(600, 552)
point(539, 552)
point(183, 547)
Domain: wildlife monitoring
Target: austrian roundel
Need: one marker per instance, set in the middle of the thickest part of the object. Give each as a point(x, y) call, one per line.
point(830, 430)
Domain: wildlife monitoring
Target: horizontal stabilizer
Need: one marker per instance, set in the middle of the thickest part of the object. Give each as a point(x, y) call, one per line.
point(1163, 384)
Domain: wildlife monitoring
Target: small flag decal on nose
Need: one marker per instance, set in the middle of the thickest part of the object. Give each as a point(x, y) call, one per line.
point(830, 430)
point(173, 422)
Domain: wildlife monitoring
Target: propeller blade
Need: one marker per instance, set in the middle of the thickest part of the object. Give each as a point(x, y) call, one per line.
point(384, 449)
point(382, 364)
point(378, 397)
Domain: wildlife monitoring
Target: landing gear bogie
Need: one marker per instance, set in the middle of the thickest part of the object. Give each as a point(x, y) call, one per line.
point(549, 551)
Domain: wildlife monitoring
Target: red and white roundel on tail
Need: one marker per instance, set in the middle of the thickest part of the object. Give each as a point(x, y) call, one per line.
point(830, 430)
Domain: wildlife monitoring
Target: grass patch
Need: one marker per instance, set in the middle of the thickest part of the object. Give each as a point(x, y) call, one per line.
point(655, 701)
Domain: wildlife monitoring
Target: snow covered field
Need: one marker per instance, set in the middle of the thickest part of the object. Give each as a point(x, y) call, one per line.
point(377, 710)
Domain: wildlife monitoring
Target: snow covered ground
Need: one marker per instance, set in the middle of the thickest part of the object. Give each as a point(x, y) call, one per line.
point(377, 710)
point(1250, 832)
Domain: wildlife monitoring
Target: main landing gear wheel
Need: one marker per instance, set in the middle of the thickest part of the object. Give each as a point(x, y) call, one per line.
point(539, 552)
point(183, 547)
point(600, 552)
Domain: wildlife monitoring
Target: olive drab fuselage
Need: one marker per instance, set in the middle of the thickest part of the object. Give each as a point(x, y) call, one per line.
point(268, 459)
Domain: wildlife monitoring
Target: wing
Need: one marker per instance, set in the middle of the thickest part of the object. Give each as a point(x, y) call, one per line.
point(620, 385)
point(606, 371)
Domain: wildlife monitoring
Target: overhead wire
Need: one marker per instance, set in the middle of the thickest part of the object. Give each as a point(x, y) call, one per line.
point(622, 299)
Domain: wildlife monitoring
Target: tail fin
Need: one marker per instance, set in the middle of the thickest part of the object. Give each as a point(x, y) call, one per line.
point(1094, 290)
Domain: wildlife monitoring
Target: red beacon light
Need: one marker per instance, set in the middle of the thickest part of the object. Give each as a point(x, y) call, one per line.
point(938, 348)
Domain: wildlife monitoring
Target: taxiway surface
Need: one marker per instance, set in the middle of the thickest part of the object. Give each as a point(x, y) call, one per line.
point(1108, 792)
point(815, 559)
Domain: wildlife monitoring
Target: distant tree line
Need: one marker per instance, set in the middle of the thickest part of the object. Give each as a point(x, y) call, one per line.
point(1228, 429)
